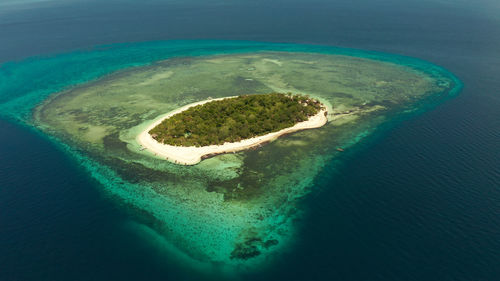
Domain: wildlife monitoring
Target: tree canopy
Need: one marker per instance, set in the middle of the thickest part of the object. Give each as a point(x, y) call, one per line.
point(235, 119)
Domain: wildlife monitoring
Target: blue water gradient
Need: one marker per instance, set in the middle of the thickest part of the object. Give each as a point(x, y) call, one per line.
point(27, 83)
point(420, 201)
point(24, 84)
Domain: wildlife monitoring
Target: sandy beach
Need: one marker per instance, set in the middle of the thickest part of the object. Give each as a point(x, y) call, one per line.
point(192, 155)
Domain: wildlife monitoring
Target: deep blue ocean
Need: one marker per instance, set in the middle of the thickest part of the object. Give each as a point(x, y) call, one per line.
point(419, 201)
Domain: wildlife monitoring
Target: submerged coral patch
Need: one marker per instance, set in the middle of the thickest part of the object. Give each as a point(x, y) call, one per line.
point(234, 210)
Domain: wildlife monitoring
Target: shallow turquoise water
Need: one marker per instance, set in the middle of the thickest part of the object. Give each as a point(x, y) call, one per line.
point(420, 201)
point(25, 84)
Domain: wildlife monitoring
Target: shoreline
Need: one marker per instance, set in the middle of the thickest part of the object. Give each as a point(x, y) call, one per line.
point(191, 155)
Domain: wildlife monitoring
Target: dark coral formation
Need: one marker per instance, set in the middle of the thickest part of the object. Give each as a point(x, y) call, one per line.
point(251, 247)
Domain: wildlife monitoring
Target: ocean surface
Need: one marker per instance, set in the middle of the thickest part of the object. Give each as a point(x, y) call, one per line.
point(418, 201)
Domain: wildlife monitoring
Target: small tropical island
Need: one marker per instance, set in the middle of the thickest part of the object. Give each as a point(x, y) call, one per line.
point(235, 211)
point(187, 135)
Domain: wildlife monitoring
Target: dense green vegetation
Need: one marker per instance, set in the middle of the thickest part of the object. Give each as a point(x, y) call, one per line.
point(234, 119)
